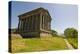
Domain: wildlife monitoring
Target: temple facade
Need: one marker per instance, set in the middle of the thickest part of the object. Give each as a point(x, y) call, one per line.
point(36, 23)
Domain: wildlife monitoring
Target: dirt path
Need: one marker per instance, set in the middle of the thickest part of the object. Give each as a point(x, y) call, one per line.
point(68, 45)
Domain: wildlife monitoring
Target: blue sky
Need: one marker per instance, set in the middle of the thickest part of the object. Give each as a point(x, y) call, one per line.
point(63, 15)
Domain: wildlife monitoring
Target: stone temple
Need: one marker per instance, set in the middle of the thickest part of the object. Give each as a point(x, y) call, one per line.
point(36, 23)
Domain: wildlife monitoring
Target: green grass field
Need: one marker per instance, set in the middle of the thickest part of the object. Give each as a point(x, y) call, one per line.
point(37, 44)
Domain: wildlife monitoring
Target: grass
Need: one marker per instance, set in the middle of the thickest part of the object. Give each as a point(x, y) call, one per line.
point(37, 44)
point(73, 42)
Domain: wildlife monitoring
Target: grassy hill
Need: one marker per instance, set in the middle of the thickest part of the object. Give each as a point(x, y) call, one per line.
point(36, 44)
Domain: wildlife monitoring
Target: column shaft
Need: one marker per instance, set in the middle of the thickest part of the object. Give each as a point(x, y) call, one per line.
point(28, 24)
point(43, 22)
point(40, 21)
point(35, 22)
point(32, 22)
point(22, 25)
point(19, 25)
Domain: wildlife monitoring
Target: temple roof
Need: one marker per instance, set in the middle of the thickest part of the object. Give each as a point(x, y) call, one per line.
point(33, 11)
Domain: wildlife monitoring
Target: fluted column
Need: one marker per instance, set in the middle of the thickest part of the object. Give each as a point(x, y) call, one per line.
point(43, 22)
point(47, 22)
point(32, 22)
point(28, 24)
point(19, 25)
point(36, 22)
point(40, 21)
point(24, 24)
point(49, 25)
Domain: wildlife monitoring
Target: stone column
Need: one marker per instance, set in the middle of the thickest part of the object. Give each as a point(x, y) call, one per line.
point(35, 26)
point(19, 25)
point(31, 23)
point(34, 23)
point(27, 24)
point(40, 21)
point(43, 22)
point(48, 23)
point(37, 22)
point(22, 25)
point(27, 27)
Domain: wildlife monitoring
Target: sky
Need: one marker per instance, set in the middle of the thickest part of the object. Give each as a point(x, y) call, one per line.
point(63, 15)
